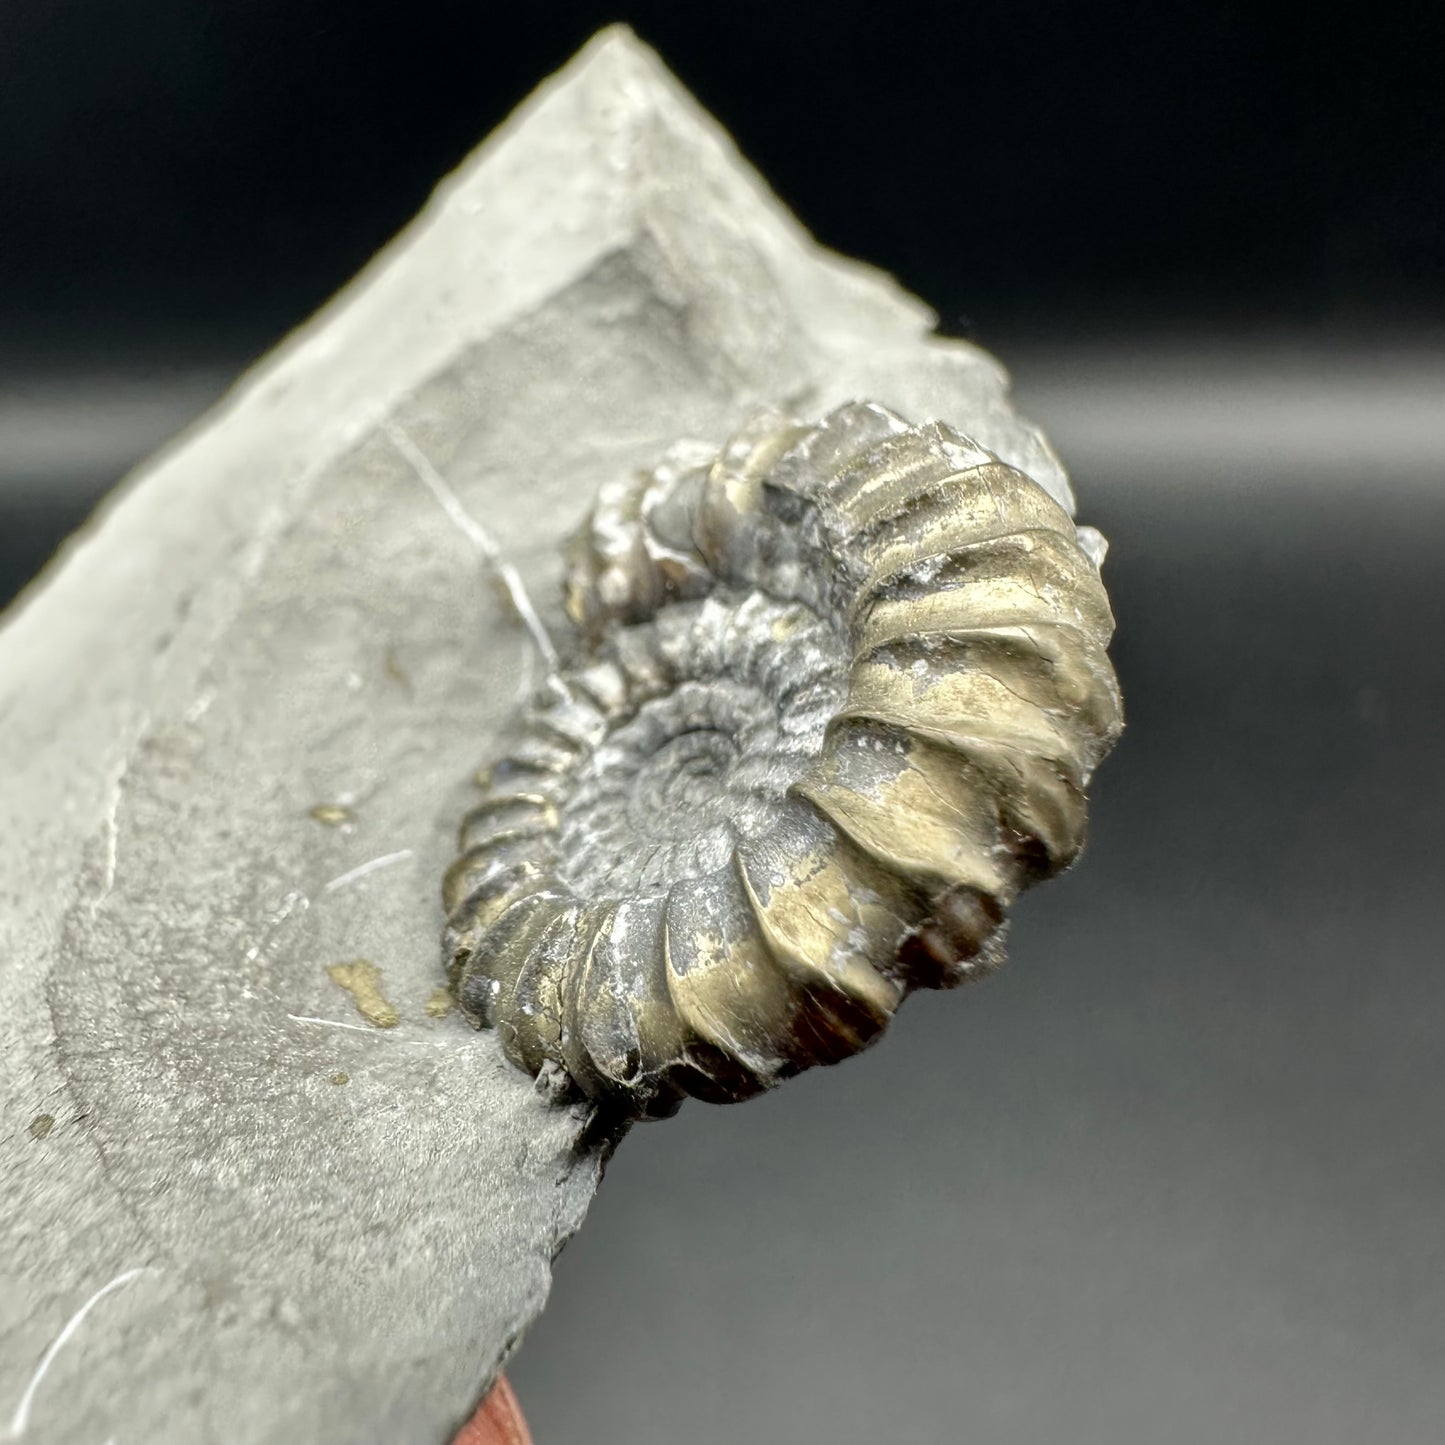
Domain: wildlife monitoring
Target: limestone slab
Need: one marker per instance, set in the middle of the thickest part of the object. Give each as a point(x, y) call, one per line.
point(257, 1185)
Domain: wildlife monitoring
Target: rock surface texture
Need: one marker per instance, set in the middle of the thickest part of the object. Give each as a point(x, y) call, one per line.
point(259, 1184)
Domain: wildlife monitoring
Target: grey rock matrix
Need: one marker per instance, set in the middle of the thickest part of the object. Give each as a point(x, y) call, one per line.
point(258, 1186)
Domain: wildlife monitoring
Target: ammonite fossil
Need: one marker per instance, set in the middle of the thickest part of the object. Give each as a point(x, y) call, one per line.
point(840, 692)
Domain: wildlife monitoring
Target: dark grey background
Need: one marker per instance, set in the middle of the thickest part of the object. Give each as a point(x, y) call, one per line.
point(1177, 1174)
point(193, 175)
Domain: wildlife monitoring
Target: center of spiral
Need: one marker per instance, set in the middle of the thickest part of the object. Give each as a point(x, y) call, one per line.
point(684, 784)
point(673, 790)
point(696, 768)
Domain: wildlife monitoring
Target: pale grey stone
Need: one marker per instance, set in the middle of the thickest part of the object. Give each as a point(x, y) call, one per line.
point(208, 1236)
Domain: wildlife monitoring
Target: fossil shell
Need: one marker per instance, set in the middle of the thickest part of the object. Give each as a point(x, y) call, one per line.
point(842, 689)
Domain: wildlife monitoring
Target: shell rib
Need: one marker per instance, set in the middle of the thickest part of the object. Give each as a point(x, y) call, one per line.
point(843, 689)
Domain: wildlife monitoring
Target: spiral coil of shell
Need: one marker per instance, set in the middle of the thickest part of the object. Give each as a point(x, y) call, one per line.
point(842, 691)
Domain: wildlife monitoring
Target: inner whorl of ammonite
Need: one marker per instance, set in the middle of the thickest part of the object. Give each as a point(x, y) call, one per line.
point(840, 691)
point(675, 786)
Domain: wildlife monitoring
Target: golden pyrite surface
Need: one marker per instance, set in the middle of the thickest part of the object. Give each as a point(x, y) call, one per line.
point(839, 695)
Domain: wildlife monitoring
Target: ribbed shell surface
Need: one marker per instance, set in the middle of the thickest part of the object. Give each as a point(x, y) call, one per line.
point(840, 693)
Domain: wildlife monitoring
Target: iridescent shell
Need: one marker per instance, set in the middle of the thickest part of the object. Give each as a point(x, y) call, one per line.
point(842, 689)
